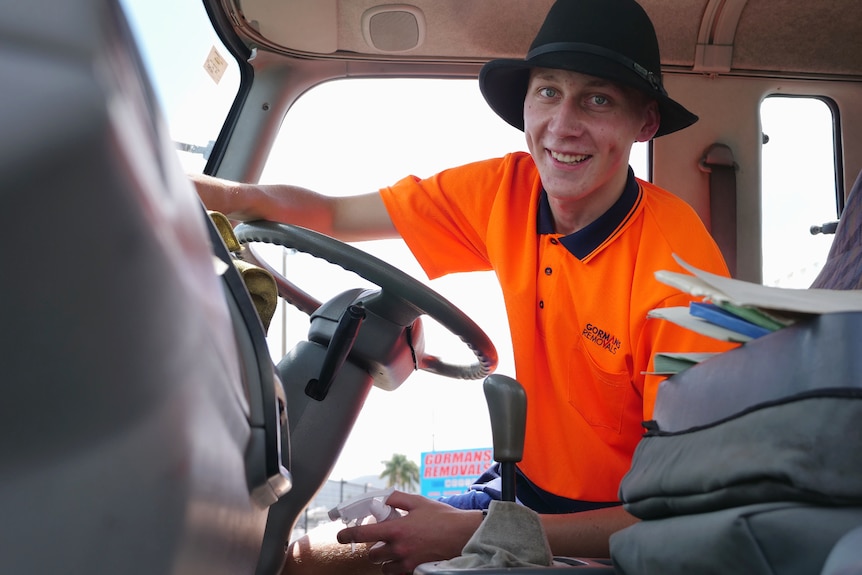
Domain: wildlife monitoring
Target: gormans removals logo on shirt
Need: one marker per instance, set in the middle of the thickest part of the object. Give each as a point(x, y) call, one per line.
point(601, 338)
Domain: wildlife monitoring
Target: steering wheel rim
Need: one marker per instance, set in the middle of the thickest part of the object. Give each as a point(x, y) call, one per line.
point(392, 282)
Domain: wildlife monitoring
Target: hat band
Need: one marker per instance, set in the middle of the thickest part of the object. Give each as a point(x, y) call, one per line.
point(649, 77)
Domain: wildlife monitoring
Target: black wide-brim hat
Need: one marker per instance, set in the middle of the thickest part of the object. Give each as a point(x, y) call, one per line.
point(610, 39)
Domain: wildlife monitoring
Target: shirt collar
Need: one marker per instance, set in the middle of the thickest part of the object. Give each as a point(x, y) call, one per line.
point(584, 241)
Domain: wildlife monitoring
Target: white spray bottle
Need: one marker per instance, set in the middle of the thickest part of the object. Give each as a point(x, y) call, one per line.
point(370, 504)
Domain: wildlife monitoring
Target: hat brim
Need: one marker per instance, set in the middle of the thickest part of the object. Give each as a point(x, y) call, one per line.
point(504, 84)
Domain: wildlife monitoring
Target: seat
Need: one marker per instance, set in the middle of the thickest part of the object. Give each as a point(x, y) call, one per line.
point(843, 267)
point(744, 461)
point(134, 382)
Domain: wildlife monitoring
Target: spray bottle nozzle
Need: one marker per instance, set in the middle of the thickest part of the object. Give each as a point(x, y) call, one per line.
point(355, 511)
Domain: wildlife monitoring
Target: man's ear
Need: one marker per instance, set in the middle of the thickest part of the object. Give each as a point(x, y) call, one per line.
point(652, 119)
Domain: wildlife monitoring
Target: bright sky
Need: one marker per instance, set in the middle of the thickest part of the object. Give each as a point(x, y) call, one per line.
point(340, 146)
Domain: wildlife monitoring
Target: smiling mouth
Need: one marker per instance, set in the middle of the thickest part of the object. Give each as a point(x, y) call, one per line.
point(569, 159)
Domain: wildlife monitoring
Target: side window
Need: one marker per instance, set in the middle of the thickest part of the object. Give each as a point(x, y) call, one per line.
point(799, 188)
point(195, 86)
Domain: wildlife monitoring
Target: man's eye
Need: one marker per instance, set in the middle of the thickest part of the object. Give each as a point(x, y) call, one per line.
point(599, 100)
point(548, 92)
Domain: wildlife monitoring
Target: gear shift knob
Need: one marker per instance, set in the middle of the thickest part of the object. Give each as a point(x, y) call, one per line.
point(507, 406)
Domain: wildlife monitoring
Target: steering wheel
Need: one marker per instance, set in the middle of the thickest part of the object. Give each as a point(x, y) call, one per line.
point(402, 297)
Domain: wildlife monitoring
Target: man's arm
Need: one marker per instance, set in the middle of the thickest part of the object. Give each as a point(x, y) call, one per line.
point(433, 531)
point(586, 534)
point(350, 218)
point(318, 553)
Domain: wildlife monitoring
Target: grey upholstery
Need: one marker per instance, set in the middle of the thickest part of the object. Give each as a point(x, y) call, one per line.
point(843, 267)
point(845, 558)
point(124, 420)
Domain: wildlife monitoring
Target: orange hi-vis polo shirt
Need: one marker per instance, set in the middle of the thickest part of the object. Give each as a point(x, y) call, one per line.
point(577, 305)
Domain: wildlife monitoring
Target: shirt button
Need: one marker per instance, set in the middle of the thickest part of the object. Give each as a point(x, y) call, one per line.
point(548, 271)
point(541, 304)
point(554, 241)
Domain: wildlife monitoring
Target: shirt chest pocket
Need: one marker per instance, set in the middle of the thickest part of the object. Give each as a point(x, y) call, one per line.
point(597, 393)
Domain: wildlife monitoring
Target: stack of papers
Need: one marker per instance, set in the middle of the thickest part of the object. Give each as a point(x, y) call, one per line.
point(714, 321)
point(739, 311)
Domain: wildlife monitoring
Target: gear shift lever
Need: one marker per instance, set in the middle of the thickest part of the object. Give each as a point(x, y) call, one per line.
point(507, 406)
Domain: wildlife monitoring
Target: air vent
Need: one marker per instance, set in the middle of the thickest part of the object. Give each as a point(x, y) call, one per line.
point(394, 27)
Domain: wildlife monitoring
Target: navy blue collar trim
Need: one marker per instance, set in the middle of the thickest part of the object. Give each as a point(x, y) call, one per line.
point(583, 242)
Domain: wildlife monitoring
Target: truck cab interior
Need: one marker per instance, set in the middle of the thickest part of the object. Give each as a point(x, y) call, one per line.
point(163, 414)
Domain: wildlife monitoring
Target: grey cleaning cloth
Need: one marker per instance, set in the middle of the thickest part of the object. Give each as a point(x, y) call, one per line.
point(510, 536)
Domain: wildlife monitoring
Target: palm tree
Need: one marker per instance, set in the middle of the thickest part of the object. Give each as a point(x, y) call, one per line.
point(401, 473)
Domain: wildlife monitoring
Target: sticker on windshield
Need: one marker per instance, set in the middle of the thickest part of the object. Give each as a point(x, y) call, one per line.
point(215, 65)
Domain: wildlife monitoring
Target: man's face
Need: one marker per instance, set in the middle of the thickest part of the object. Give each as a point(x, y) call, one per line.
point(580, 130)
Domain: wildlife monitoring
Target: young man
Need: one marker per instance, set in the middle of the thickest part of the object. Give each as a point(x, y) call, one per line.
point(574, 239)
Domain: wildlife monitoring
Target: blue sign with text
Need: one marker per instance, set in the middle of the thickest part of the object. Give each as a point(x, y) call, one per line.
point(445, 473)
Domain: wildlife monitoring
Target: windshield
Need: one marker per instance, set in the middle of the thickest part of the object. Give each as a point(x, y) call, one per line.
point(194, 76)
